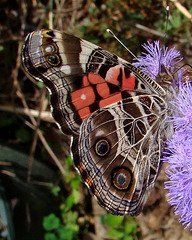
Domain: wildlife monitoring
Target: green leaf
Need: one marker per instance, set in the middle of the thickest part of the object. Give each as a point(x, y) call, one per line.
point(130, 228)
point(65, 233)
point(69, 202)
point(68, 160)
point(176, 19)
point(72, 199)
point(51, 222)
point(115, 233)
point(50, 236)
point(128, 238)
point(112, 220)
point(75, 182)
point(73, 227)
point(130, 225)
point(68, 231)
point(55, 190)
point(71, 217)
point(76, 196)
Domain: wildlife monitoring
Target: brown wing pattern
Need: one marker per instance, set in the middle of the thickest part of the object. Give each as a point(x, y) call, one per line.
point(117, 152)
point(114, 111)
point(80, 76)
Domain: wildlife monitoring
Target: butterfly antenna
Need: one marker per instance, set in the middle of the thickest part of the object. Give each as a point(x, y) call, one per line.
point(112, 34)
point(167, 21)
point(165, 37)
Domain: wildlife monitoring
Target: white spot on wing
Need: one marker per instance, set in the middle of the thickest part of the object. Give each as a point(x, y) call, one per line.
point(83, 96)
point(48, 49)
point(99, 133)
point(66, 69)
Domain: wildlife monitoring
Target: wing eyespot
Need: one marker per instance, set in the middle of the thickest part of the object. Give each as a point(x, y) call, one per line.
point(122, 178)
point(53, 60)
point(102, 147)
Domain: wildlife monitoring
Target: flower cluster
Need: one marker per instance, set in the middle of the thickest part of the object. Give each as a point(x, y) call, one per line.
point(180, 161)
point(155, 56)
point(179, 147)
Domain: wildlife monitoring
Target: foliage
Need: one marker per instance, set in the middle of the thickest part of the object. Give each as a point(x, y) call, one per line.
point(65, 227)
point(57, 230)
point(122, 228)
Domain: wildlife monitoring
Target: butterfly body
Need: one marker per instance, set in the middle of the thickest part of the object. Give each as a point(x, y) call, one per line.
point(115, 112)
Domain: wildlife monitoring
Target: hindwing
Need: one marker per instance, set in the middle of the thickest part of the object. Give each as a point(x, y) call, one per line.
point(117, 152)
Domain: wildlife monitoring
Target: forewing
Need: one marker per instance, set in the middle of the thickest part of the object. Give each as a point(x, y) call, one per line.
point(80, 76)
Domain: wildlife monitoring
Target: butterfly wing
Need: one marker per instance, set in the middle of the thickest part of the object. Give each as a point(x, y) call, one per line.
point(114, 111)
point(117, 152)
point(80, 76)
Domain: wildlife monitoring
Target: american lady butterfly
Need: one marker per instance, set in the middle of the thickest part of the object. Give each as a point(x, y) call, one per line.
point(115, 113)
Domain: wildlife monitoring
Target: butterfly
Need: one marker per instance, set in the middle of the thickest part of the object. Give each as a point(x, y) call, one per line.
point(115, 113)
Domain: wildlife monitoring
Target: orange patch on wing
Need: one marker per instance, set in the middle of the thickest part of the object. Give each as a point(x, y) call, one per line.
point(113, 74)
point(88, 180)
point(95, 78)
point(96, 194)
point(128, 83)
point(85, 81)
point(115, 98)
point(84, 113)
point(103, 90)
point(81, 168)
point(83, 97)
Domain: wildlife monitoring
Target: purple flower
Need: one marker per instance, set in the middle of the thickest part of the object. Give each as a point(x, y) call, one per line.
point(179, 173)
point(179, 170)
point(182, 105)
point(179, 149)
point(151, 61)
